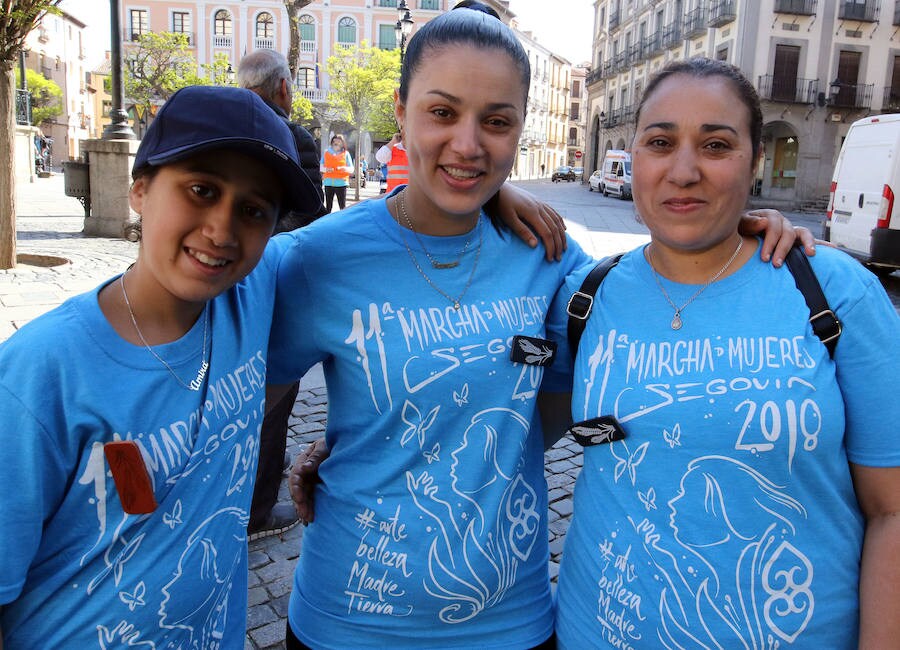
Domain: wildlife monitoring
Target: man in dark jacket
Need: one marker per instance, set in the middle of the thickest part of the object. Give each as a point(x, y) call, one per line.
point(266, 73)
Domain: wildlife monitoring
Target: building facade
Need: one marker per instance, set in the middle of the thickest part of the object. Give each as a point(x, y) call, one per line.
point(578, 103)
point(818, 65)
point(234, 29)
point(55, 49)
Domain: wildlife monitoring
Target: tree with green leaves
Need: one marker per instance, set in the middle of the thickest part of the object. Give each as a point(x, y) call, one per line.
point(161, 63)
point(219, 72)
point(17, 19)
point(362, 82)
point(301, 110)
point(46, 96)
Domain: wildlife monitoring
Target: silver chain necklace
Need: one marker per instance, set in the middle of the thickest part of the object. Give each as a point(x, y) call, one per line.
point(197, 382)
point(401, 202)
point(454, 301)
point(676, 319)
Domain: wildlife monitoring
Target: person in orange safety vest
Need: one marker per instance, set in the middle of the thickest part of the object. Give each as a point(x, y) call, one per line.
point(337, 165)
point(394, 156)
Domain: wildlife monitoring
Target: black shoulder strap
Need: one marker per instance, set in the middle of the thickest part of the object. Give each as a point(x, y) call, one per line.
point(581, 302)
point(824, 321)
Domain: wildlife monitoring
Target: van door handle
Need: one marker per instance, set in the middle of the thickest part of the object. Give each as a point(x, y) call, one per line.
point(861, 197)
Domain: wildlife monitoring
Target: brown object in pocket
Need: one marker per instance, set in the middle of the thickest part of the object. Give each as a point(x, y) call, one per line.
point(130, 475)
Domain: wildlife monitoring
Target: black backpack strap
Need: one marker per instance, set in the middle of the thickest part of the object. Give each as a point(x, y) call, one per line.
point(581, 302)
point(824, 322)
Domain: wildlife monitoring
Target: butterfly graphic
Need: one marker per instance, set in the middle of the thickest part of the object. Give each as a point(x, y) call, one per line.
point(433, 455)
point(673, 437)
point(136, 599)
point(462, 397)
point(648, 498)
point(630, 463)
point(534, 354)
point(415, 424)
point(118, 565)
point(172, 519)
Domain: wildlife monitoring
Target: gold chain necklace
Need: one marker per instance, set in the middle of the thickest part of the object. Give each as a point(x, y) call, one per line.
point(204, 365)
point(676, 319)
point(454, 301)
point(401, 203)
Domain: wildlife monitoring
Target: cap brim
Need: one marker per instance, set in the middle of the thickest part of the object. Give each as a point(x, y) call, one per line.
point(300, 194)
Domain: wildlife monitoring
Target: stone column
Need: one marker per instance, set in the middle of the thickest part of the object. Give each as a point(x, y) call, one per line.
point(110, 163)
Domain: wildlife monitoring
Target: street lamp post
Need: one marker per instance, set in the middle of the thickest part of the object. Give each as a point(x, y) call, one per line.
point(118, 128)
point(404, 26)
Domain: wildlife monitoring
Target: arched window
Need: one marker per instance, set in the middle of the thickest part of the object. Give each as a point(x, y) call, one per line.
point(307, 34)
point(347, 31)
point(222, 27)
point(265, 25)
point(307, 28)
point(222, 23)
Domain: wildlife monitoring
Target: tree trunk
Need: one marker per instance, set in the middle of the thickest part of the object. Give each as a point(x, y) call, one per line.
point(7, 166)
point(356, 163)
point(293, 8)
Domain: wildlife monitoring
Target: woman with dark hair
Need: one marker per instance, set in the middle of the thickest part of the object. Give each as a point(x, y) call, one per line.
point(750, 497)
point(412, 304)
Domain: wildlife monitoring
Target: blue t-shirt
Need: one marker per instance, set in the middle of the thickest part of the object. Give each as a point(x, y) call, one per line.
point(727, 517)
point(431, 519)
point(75, 570)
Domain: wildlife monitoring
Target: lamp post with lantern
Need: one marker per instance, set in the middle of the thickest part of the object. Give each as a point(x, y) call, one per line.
point(404, 26)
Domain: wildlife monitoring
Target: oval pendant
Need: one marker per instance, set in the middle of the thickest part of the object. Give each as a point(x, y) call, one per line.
point(676, 321)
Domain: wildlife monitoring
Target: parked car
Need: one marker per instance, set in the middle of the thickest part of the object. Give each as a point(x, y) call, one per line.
point(579, 173)
point(563, 173)
point(595, 180)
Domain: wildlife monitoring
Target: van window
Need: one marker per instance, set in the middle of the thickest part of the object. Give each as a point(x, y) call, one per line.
point(628, 167)
point(615, 167)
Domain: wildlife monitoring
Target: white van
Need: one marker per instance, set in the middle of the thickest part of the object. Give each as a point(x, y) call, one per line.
point(615, 176)
point(862, 219)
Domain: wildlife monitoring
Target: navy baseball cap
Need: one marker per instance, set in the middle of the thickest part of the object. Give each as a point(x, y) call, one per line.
point(202, 118)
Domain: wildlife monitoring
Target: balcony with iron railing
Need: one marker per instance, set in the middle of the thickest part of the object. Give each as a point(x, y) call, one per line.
point(621, 62)
point(654, 44)
point(866, 12)
point(614, 18)
point(609, 69)
point(721, 12)
point(695, 23)
point(594, 76)
point(890, 102)
point(23, 106)
point(672, 35)
point(220, 40)
point(796, 7)
point(852, 96)
point(791, 90)
point(264, 43)
point(307, 47)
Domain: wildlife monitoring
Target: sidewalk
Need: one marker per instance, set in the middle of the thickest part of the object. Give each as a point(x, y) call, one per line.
point(50, 224)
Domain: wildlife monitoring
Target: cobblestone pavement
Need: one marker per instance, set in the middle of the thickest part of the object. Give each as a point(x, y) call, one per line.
point(49, 225)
